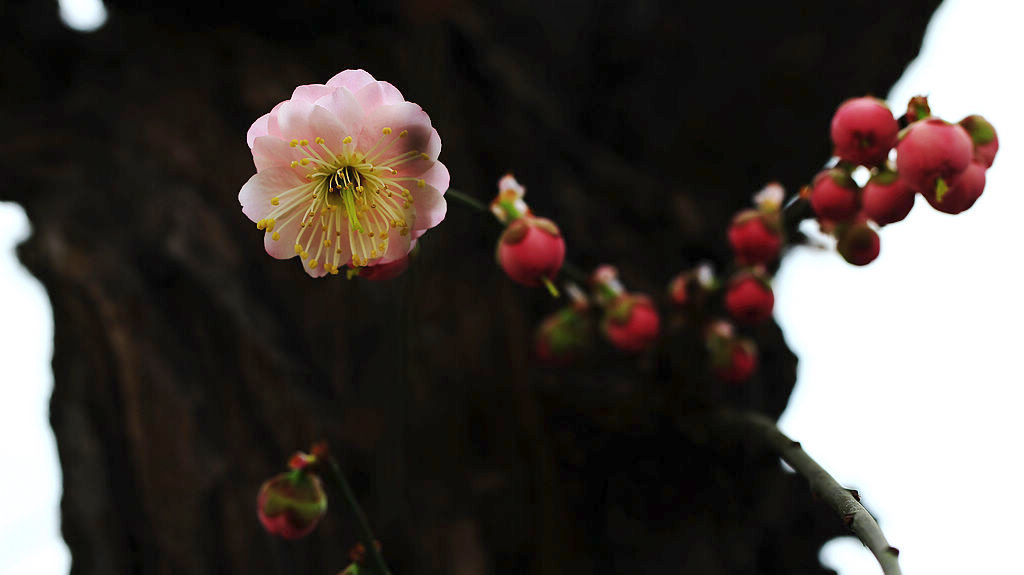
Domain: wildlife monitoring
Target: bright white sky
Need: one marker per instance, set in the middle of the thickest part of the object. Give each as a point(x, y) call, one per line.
point(908, 387)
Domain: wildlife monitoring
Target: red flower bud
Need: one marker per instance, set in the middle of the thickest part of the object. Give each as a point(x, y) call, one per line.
point(732, 360)
point(386, 271)
point(749, 298)
point(984, 138)
point(631, 323)
point(834, 195)
point(754, 238)
point(932, 154)
point(886, 198)
point(962, 194)
point(531, 250)
point(863, 131)
point(858, 243)
point(291, 504)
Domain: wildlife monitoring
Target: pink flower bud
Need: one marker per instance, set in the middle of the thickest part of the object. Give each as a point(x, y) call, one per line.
point(755, 238)
point(834, 195)
point(749, 298)
point(291, 504)
point(531, 250)
point(732, 360)
point(933, 153)
point(863, 131)
point(886, 198)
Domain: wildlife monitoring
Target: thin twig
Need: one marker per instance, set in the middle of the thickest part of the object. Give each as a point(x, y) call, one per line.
point(337, 478)
point(844, 502)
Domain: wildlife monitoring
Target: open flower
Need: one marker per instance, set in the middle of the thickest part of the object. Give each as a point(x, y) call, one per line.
point(346, 174)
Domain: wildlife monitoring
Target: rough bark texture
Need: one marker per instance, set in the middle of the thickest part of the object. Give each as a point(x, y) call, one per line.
point(189, 364)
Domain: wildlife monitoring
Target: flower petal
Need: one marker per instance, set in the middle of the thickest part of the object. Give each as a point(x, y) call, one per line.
point(346, 110)
point(351, 79)
point(391, 93)
point(270, 152)
point(284, 247)
point(311, 92)
point(293, 119)
point(437, 176)
point(430, 204)
point(395, 119)
point(256, 193)
point(259, 128)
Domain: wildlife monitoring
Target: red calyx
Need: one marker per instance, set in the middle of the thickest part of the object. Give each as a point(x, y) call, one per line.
point(962, 194)
point(531, 249)
point(886, 198)
point(932, 154)
point(290, 505)
point(863, 131)
point(631, 323)
point(749, 298)
point(834, 195)
point(753, 239)
point(386, 271)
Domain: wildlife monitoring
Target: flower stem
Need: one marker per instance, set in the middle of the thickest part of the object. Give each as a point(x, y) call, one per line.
point(843, 501)
point(338, 480)
point(467, 200)
point(552, 289)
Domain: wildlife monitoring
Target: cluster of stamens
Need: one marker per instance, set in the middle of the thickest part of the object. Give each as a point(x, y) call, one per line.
point(364, 186)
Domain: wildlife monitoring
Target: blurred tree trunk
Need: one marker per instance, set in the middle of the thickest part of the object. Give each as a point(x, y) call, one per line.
point(188, 364)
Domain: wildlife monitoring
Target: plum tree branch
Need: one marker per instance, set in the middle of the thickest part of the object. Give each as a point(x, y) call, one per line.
point(844, 502)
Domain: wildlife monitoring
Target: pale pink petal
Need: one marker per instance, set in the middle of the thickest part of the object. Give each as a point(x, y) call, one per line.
point(430, 206)
point(315, 243)
point(351, 79)
point(255, 195)
point(327, 126)
point(370, 96)
point(398, 118)
point(433, 148)
point(437, 176)
point(391, 93)
point(293, 120)
point(271, 152)
point(259, 128)
point(311, 92)
point(346, 109)
point(399, 246)
point(284, 247)
point(272, 128)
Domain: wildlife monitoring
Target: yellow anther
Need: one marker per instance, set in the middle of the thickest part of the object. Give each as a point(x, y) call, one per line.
point(304, 142)
point(319, 140)
point(327, 243)
point(405, 204)
point(276, 236)
point(424, 156)
point(421, 183)
point(334, 271)
point(275, 201)
point(270, 225)
point(293, 143)
point(323, 227)
point(304, 254)
point(262, 224)
point(347, 140)
point(337, 251)
point(381, 246)
point(403, 134)
point(312, 264)
point(304, 161)
point(359, 188)
point(370, 234)
point(404, 231)
point(384, 236)
point(298, 248)
point(373, 253)
point(294, 164)
point(386, 131)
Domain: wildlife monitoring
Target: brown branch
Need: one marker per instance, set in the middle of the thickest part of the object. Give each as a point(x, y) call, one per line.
point(845, 502)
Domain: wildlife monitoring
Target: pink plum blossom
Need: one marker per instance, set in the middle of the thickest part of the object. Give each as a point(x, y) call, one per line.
point(346, 175)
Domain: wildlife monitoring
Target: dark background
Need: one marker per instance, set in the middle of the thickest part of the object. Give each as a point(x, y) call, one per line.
point(189, 364)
